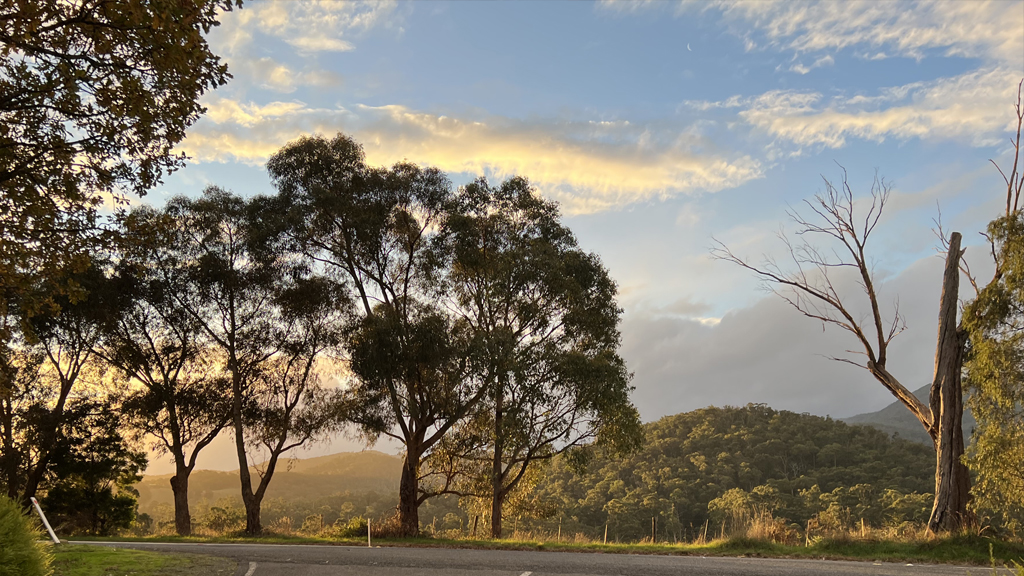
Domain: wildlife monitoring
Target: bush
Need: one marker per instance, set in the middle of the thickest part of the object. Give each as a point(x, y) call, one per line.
point(20, 555)
point(354, 528)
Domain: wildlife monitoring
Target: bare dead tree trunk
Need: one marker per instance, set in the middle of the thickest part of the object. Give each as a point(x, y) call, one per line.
point(952, 482)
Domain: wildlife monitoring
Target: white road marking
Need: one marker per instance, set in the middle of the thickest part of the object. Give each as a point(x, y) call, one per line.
point(252, 568)
point(526, 574)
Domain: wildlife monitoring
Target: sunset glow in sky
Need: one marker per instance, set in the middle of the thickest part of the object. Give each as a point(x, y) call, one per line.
point(657, 125)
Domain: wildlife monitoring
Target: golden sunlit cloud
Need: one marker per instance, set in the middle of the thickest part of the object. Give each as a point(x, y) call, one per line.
point(587, 166)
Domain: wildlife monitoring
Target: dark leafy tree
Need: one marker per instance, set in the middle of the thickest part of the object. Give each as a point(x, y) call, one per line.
point(174, 392)
point(544, 317)
point(371, 228)
point(89, 484)
point(65, 347)
point(268, 320)
point(94, 95)
point(289, 405)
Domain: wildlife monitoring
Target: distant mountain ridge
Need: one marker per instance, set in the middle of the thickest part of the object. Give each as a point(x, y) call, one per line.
point(896, 419)
point(354, 472)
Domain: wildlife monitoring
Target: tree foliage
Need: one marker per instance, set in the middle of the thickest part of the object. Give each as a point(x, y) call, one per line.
point(371, 229)
point(706, 465)
point(995, 369)
point(94, 95)
point(543, 315)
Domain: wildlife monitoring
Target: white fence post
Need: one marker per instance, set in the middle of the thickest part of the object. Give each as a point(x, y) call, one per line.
point(45, 522)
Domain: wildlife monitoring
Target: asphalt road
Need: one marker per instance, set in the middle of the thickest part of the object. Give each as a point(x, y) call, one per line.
point(292, 560)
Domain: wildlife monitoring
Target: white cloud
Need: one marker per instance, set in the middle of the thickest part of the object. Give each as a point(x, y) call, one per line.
point(799, 68)
point(309, 25)
point(973, 108)
point(587, 166)
point(981, 29)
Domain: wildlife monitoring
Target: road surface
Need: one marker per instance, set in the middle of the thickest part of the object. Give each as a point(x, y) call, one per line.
point(312, 560)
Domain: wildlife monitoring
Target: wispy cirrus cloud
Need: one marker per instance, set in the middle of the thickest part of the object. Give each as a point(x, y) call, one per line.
point(308, 27)
point(971, 108)
point(587, 166)
point(978, 29)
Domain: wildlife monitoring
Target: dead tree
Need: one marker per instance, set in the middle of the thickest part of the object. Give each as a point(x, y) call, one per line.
point(806, 283)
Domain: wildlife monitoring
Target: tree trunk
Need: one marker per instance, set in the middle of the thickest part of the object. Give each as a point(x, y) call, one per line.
point(182, 516)
point(253, 527)
point(952, 482)
point(497, 480)
point(408, 493)
point(253, 522)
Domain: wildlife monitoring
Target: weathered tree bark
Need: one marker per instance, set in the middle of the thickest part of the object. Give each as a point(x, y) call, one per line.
point(253, 525)
point(497, 477)
point(182, 516)
point(952, 481)
point(408, 492)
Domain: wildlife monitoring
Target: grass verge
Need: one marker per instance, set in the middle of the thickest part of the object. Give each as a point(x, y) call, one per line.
point(973, 550)
point(84, 560)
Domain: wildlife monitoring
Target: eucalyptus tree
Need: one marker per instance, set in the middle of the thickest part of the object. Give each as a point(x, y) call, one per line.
point(543, 314)
point(994, 364)
point(290, 405)
point(67, 343)
point(268, 319)
point(174, 391)
point(371, 229)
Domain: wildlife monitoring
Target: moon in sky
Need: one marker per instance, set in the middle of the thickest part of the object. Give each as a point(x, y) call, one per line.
point(688, 46)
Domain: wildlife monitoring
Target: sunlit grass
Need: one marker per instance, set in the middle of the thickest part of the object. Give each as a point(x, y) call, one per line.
point(84, 560)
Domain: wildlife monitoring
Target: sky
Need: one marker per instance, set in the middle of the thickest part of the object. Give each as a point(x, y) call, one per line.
point(659, 127)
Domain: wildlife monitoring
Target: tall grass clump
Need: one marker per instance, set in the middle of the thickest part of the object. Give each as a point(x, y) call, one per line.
point(20, 554)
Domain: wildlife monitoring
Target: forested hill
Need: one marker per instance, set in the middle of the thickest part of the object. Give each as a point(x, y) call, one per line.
point(796, 465)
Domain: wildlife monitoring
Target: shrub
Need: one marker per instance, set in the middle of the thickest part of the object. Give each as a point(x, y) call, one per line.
point(20, 554)
point(354, 528)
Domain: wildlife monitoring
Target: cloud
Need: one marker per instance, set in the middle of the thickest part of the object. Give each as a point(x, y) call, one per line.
point(978, 29)
point(972, 108)
point(799, 68)
point(308, 25)
point(770, 353)
point(587, 166)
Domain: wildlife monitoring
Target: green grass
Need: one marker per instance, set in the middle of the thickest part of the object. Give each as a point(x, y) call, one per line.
point(973, 550)
point(85, 560)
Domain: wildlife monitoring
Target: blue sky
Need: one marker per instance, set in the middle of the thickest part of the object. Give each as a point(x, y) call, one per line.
point(658, 125)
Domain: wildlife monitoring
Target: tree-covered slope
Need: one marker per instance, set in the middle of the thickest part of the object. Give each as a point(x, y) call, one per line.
point(800, 464)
